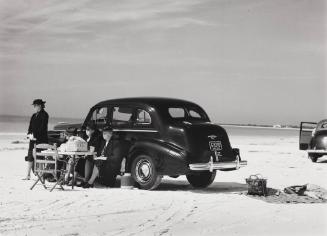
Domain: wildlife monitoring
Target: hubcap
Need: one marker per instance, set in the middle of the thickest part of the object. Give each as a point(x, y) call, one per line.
point(143, 171)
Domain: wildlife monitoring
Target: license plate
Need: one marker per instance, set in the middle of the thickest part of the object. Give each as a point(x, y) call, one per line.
point(215, 146)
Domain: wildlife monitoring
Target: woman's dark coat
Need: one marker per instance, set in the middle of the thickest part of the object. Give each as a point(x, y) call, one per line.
point(115, 154)
point(95, 141)
point(39, 126)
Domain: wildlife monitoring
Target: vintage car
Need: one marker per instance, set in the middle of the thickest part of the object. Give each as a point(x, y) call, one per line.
point(313, 139)
point(166, 137)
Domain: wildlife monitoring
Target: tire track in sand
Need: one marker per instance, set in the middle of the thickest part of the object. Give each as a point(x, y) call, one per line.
point(177, 211)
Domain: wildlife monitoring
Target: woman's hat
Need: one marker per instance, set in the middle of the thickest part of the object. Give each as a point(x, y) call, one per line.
point(107, 128)
point(38, 102)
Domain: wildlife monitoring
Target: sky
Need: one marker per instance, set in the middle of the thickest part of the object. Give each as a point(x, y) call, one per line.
point(243, 61)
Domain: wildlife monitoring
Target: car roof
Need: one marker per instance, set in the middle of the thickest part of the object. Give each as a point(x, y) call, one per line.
point(150, 101)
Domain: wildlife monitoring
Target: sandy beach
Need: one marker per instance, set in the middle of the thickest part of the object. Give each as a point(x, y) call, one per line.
point(175, 208)
point(157, 72)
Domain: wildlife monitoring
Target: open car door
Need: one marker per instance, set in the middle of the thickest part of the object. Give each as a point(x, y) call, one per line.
point(306, 129)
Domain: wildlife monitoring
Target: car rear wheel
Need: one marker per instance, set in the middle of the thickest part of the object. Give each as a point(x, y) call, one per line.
point(201, 179)
point(144, 172)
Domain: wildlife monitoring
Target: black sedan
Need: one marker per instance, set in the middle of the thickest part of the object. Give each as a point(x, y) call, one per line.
point(166, 137)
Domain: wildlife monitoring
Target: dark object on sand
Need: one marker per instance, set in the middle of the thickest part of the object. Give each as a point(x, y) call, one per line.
point(313, 139)
point(297, 189)
point(310, 190)
point(275, 196)
point(257, 185)
point(165, 137)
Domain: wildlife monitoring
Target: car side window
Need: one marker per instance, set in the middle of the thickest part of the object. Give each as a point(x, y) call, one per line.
point(122, 115)
point(142, 117)
point(176, 112)
point(194, 114)
point(100, 116)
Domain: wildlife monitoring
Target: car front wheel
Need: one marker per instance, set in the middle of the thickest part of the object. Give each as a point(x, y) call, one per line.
point(202, 179)
point(144, 172)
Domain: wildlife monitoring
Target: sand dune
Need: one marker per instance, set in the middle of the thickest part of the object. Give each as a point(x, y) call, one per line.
point(174, 208)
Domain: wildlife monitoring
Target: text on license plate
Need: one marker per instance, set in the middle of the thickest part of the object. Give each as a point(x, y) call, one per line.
point(215, 146)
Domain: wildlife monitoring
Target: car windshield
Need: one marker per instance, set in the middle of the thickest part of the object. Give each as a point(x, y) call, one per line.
point(186, 113)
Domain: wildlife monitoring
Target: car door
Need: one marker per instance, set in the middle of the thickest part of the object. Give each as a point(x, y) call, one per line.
point(306, 133)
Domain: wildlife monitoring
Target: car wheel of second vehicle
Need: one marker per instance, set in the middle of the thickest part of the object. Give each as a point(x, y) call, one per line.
point(202, 179)
point(313, 157)
point(144, 172)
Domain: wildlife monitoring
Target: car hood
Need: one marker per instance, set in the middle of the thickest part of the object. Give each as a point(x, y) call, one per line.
point(63, 126)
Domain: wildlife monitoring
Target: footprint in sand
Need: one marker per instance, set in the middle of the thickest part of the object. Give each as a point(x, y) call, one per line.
point(164, 231)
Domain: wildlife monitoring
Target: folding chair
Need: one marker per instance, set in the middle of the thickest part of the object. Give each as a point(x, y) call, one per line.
point(46, 162)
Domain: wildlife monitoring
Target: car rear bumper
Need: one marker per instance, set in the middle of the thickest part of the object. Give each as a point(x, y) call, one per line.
point(211, 166)
point(318, 151)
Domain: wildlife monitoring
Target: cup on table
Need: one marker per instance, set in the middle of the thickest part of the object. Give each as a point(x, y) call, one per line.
point(92, 148)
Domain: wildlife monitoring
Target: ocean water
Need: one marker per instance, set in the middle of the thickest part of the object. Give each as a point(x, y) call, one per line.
point(261, 131)
point(15, 125)
point(19, 124)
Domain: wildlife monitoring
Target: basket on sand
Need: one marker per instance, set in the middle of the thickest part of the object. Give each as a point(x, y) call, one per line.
point(257, 185)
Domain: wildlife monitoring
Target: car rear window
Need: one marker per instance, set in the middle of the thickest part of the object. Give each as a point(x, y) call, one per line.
point(186, 113)
point(194, 114)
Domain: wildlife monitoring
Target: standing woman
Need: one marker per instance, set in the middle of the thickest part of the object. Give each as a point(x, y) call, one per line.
point(37, 132)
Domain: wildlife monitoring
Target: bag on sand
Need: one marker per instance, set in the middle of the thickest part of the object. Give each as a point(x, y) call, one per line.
point(257, 185)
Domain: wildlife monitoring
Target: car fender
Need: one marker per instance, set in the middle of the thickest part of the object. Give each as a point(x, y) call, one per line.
point(319, 141)
point(169, 159)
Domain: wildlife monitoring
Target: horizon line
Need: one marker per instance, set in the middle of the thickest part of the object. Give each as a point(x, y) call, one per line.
point(27, 116)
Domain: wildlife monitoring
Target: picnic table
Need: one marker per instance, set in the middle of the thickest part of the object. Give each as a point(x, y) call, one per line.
point(74, 154)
